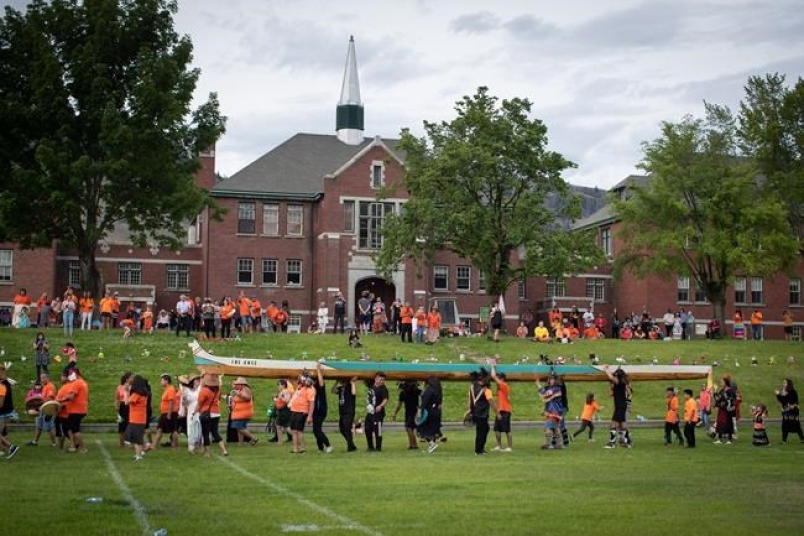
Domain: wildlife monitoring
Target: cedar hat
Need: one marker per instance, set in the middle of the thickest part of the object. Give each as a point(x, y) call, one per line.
point(240, 381)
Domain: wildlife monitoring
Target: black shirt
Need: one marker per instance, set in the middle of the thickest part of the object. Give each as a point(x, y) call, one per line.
point(377, 394)
point(346, 400)
point(320, 406)
point(410, 398)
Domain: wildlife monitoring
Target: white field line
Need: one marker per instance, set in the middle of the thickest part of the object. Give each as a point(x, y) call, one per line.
point(139, 509)
point(343, 520)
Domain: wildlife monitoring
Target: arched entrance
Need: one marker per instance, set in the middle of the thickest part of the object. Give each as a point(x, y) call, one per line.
point(377, 286)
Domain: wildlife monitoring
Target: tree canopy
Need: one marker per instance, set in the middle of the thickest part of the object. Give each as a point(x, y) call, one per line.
point(478, 187)
point(95, 103)
point(704, 212)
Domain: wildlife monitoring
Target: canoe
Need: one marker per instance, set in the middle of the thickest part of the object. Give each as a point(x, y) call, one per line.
point(400, 371)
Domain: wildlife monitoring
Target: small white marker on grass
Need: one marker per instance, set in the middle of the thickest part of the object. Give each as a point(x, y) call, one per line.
point(139, 509)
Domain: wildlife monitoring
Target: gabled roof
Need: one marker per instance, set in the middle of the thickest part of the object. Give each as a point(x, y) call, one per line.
point(297, 167)
point(602, 216)
point(631, 180)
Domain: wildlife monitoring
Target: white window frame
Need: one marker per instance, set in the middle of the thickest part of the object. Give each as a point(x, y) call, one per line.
point(74, 274)
point(348, 216)
point(370, 223)
point(605, 242)
point(794, 290)
point(683, 286)
point(481, 281)
point(244, 265)
point(440, 275)
point(463, 278)
point(756, 290)
point(293, 267)
point(295, 220)
point(522, 288)
point(6, 265)
point(596, 289)
point(246, 212)
point(740, 287)
point(129, 273)
point(556, 287)
point(270, 219)
point(177, 276)
point(266, 264)
point(377, 174)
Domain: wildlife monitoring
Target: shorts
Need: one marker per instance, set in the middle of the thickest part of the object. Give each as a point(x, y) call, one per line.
point(619, 414)
point(135, 433)
point(297, 421)
point(240, 424)
point(45, 423)
point(167, 423)
point(245, 321)
point(366, 319)
point(106, 315)
point(502, 423)
point(410, 421)
point(283, 417)
point(74, 422)
point(61, 426)
point(788, 330)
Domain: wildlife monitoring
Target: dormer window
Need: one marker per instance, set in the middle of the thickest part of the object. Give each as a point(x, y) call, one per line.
point(377, 174)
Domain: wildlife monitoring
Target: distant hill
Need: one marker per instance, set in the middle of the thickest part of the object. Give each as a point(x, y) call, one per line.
point(592, 200)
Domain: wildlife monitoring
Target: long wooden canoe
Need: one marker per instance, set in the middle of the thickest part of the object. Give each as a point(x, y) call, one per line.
point(281, 368)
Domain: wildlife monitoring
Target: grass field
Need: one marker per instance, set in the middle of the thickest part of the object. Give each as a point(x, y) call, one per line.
point(650, 489)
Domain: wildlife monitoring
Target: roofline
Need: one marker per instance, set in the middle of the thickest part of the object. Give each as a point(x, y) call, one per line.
point(279, 196)
point(594, 224)
point(376, 142)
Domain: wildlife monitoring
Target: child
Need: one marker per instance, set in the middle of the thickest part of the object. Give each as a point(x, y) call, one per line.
point(588, 416)
point(690, 418)
point(671, 418)
point(42, 349)
point(759, 414)
point(72, 357)
point(354, 339)
point(128, 326)
point(148, 320)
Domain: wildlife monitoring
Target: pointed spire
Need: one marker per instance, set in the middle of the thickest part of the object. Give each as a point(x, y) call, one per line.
point(349, 117)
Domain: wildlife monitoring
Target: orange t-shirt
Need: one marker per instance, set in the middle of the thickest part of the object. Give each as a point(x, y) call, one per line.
point(690, 410)
point(256, 308)
point(589, 411)
point(503, 400)
point(147, 320)
point(41, 302)
point(406, 313)
point(87, 305)
point(106, 305)
point(756, 318)
point(672, 410)
point(242, 409)
point(61, 394)
point(19, 299)
point(434, 320)
point(302, 400)
point(245, 306)
point(421, 319)
point(79, 404)
point(168, 396)
point(209, 400)
point(137, 409)
point(48, 392)
point(226, 312)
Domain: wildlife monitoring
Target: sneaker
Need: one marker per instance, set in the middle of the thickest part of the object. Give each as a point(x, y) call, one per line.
point(431, 446)
point(508, 449)
point(138, 458)
point(481, 453)
point(608, 446)
point(591, 440)
point(728, 442)
point(496, 449)
point(329, 449)
point(31, 443)
point(12, 451)
point(254, 441)
point(717, 442)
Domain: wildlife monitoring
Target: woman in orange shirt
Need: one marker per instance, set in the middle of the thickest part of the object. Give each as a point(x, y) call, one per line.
point(21, 300)
point(43, 311)
point(135, 394)
point(421, 324)
point(242, 411)
point(227, 314)
point(209, 411)
point(433, 325)
point(87, 306)
point(301, 411)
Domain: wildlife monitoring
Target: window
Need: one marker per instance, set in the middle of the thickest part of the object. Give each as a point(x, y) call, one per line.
point(556, 287)
point(756, 290)
point(294, 272)
point(129, 273)
point(349, 216)
point(683, 289)
point(178, 276)
point(605, 241)
point(700, 295)
point(6, 265)
point(739, 290)
point(294, 322)
point(371, 217)
point(481, 281)
point(795, 291)
point(269, 272)
point(270, 219)
point(377, 174)
point(521, 288)
point(440, 278)
point(246, 217)
point(463, 277)
point(596, 289)
point(796, 335)
point(74, 274)
point(295, 220)
point(245, 271)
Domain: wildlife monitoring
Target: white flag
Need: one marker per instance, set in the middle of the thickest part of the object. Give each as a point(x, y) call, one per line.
point(501, 304)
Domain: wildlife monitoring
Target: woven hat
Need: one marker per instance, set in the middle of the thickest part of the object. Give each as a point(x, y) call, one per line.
point(240, 381)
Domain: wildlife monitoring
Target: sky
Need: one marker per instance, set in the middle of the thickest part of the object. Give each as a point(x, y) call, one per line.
point(601, 74)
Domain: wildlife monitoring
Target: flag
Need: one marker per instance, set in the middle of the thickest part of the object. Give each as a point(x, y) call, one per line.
point(501, 304)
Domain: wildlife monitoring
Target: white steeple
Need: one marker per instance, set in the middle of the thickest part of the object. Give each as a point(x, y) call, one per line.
point(349, 117)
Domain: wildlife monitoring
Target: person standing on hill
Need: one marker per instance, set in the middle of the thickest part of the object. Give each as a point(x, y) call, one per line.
point(87, 307)
point(347, 399)
point(406, 315)
point(339, 313)
point(496, 322)
point(756, 325)
point(376, 400)
point(502, 420)
point(621, 393)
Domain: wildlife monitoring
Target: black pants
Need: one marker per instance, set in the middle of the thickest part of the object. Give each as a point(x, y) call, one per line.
point(689, 433)
point(669, 429)
point(318, 431)
point(339, 320)
point(209, 427)
point(407, 332)
point(184, 323)
point(226, 328)
point(791, 425)
point(481, 433)
point(584, 425)
point(209, 328)
point(345, 426)
point(374, 432)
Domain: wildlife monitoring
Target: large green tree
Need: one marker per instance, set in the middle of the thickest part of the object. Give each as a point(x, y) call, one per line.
point(771, 130)
point(479, 187)
point(95, 103)
point(703, 213)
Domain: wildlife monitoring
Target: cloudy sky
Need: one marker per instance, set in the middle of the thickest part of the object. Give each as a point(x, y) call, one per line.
point(602, 74)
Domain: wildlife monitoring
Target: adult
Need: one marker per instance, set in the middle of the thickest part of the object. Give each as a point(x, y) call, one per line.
point(541, 333)
point(588, 318)
point(209, 413)
point(615, 324)
point(270, 314)
point(243, 411)
point(136, 395)
point(87, 307)
point(480, 402)
point(672, 418)
point(190, 404)
point(705, 406)
point(45, 422)
point(21, 301)
point(409, 394)
point(77, 398)
point(62, 428)
point(68, 308)
point(322, 316)
point(184, 310)
point(43, 311)
point(41, 349)
point(376, 400)
point(756, 325)
point(228, 312)
point(496, 322)
point(378, 317)
point(669, 319)
point(301, 405)
point(121, 408)
point(430, 413)
point(364, 312)
point(244, 312)
point(282, 317)
point(347, 398)
point(621, 393)
point(7, 413)
point(106, 304)
point(406, 314)
point(168, 413)
point(787, 320)
point(725, 401)
point(208, 318)
point(395, 325)
point(339, 313)
point(788, 399)
point(433, 325)
point(320, 412)
point(502, 421)
point(282, 405)
point(115, 308)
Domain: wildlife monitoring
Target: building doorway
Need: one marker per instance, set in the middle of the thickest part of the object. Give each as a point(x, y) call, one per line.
point(378, 287)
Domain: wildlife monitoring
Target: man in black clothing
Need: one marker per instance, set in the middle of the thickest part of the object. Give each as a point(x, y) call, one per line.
point(7, 413)
point(409, 394)
point(376, 400)
point(621, 392)
point(339, 310)
point(347, 394)
point(481, 401)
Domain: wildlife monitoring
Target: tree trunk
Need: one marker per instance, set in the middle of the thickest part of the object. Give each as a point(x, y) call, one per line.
point(90, 277)
point(717, 297)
